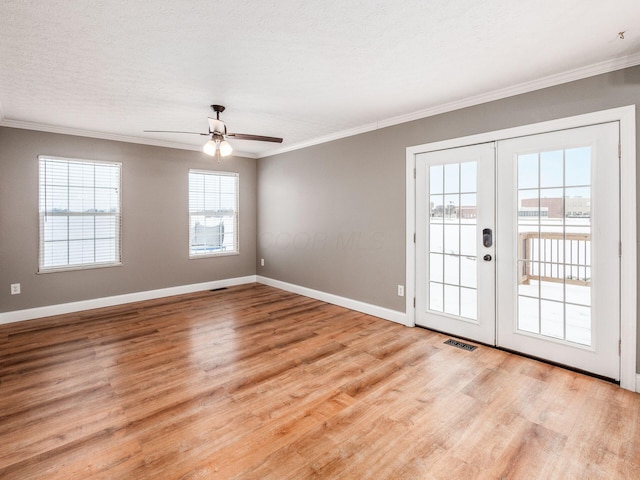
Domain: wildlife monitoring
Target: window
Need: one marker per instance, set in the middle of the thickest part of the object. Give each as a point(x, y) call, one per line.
point(213, 213)
point(79, 214)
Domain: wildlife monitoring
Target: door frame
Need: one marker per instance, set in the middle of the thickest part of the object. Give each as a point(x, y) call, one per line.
point(626, 116)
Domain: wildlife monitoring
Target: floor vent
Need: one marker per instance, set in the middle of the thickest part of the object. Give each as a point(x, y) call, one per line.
point(462, 345)
point(217, 289)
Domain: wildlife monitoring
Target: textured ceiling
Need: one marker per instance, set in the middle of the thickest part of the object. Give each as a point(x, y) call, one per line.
point(303, 70)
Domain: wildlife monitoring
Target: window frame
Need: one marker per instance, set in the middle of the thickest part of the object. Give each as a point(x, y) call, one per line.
point(236, 214)
point(43, 213)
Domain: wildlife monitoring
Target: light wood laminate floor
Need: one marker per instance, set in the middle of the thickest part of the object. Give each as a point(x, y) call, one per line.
point(255, 382)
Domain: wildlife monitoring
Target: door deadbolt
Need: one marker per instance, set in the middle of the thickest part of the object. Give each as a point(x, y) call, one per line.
point(487, 258)
point(487, 237)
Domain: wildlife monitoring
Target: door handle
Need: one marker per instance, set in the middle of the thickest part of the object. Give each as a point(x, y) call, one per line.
point(487, 237)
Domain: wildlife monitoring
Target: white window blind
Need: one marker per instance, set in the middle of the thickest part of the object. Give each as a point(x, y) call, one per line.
point(213, 213)
point(80, 214)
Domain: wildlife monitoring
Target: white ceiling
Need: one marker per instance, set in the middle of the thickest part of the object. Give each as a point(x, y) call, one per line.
point(304, 70)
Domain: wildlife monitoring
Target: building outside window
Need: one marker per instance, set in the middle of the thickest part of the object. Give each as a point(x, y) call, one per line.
point(80, 214)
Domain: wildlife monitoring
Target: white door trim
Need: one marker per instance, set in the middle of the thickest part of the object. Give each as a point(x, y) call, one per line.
point(628, 274)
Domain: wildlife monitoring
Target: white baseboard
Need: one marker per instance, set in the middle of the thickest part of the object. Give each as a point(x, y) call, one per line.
point(374, 310)
point(60, 309)
point(638, 382)
point(39, 312)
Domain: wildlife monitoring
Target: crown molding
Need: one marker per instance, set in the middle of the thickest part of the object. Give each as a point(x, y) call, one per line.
point(40, 127)
point(526, 87)
point(548, 81)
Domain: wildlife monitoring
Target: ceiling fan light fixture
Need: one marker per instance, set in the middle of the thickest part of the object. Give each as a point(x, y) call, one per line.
point(225, 148)
point(217, 146)
point(210, 147)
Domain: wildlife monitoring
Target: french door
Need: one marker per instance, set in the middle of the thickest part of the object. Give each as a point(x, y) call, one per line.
point(456, 275)
point(517, 245)
point(559, 234)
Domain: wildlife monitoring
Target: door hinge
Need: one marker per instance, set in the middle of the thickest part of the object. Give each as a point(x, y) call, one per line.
point(414, 302)
point(620, 249)
point(414, 173)
point(619, 152)
point(414, 238)
point(620, 347)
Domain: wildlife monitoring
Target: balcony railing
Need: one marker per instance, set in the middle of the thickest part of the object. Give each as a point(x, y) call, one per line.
point(555, 257)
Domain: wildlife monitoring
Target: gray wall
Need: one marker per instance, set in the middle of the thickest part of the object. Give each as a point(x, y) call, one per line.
point(332, 216)
point(155, 221)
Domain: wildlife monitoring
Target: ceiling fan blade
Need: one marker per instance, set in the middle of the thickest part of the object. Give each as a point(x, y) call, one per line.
point(258, 138)
point(174, 131)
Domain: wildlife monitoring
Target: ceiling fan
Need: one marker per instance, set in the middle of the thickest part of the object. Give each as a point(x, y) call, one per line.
point(218, 135)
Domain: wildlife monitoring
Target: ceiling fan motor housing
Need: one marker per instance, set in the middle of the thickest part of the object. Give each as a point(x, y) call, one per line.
point(217, 126)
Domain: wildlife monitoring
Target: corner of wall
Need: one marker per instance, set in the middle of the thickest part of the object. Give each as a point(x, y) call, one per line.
point(358, 306)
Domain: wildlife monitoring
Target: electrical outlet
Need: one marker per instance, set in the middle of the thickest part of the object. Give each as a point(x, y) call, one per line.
point(262, 262)
point(401, 290)
point(15, 289)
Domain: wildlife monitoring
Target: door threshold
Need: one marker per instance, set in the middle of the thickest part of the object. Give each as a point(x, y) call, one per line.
point(561, 365)
point(531, 357)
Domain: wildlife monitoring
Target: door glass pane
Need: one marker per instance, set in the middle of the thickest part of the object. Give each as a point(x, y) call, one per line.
point(435, 267)
point(452, 238)
point(528, 315)
point(437, 209)
point(452, 178)
point(579, 324)
point(528, 280)
point(468, 240)
point(436, 233)
point(436, 293)
point(550, 286)
point(551, 169)
point(468, 206)
point(529, 209)
point(552, 203)
point(436, 179)
point(468, 272)
point(577, 294)
point(452, 269)
point(453, 232)
point(577, 206)
point(554, 244)
point(468, 175)
point(528, 171)
point(551, 319)
point(452, 300)
point(577, 166)
point(468, 303)
point(451, 207)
